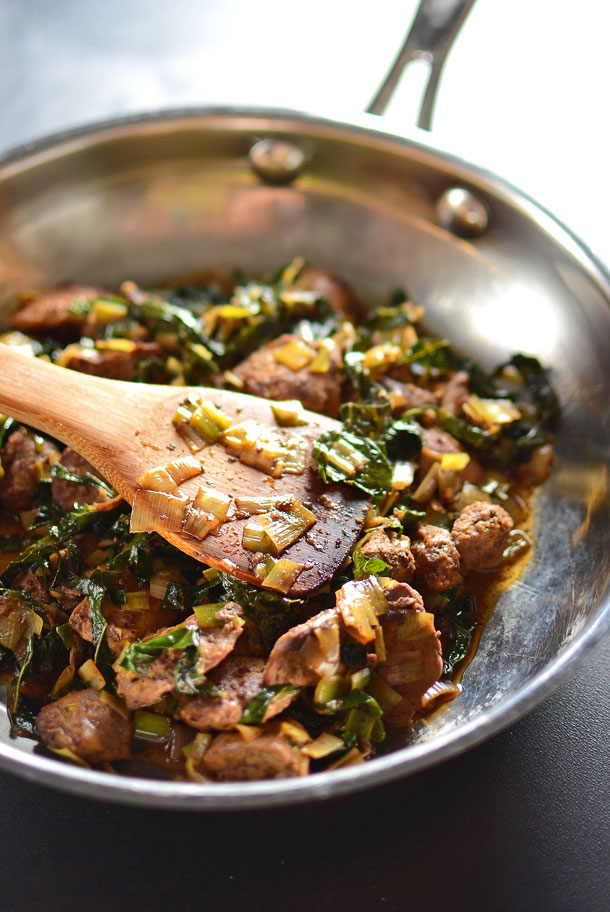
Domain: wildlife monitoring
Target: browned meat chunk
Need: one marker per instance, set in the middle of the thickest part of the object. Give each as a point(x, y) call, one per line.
point(339, 295)
point(86, 725)
point(435, 442)
point(32, 584)
point(146, 689)
point(538, 467)
point(54, 312)
point(116, 365)
point(394, 550)
point(402, 597)
point(262, 375)
point(25, 461)
point(437, 561)
point(298, 658)
point(413, 658)
point(455, 393)
point(67, 493)
point(268, 756)
point(407, 395)
point(215, 644)
point(123, 625)
point(480, 533)
point(239, 678)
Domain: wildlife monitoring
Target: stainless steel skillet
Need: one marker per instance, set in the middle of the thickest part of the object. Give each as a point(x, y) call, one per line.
point(173, 193)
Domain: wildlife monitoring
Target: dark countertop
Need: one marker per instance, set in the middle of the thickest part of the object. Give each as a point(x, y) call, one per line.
point(521, 822)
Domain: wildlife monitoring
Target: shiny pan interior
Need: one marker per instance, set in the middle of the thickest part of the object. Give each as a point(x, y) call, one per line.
point(172, 194)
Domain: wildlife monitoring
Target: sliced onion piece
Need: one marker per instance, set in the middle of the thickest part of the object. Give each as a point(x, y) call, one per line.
point(152, 509)
point(283, 575)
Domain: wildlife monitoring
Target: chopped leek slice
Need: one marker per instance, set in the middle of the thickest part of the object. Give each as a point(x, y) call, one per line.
point(158, 479)
point(66, 677)
point(381, 356)
point(295, 732)
point(197, 523)
point(209, 421)
point(215, 502)
point(360, 679)
point(207, 615)
point(91, 675)
point(256, 539)
point(402, 475)
point(359, 603)
point(289, 413)
point(295, 355)
point(256, 505)
point(329, 689)
point(122, 345)
point(136, 601)
point(454, 462)
point(285, 527)
point(105, 312)
point(283, 575)
point(323, 359)
point(490, 412)
point(152, 509)
point(324, 745)
point(352, 757)
point(151, 726)
point(183, 468)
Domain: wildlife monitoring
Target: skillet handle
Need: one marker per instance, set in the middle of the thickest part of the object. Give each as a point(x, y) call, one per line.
point(432, 33)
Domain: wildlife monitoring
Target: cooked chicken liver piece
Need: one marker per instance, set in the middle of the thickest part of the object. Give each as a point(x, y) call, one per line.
point(239, 678)
point(263, 376)
point(268, 756)
point(67, 493)
point(413, 657)
point(84, 724)
point(158, 679)
point(437, 560)
point(123, 624)
point(115, 365)
point(24, 461)
point(51, 312)
point(339, 295)
point(480, 534)
point(394, 550)
point(288, 660)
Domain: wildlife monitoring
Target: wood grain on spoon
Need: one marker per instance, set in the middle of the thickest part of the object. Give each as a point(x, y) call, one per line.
point(124, 429)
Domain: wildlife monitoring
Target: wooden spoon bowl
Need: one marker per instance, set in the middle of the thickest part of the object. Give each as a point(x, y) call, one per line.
point(125, 429)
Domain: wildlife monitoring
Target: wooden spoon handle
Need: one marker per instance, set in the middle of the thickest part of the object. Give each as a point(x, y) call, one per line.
point(78, 409)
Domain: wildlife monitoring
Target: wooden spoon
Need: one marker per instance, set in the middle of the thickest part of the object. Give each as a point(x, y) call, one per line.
point(124, 429)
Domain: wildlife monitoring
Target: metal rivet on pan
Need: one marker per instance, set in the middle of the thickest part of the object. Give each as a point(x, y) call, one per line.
point(458, 210)
point(277, 161)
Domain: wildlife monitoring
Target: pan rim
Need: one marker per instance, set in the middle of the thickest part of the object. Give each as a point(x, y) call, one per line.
point(404, 761)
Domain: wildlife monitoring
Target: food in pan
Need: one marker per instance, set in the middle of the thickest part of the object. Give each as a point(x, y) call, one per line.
point(118, 650)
